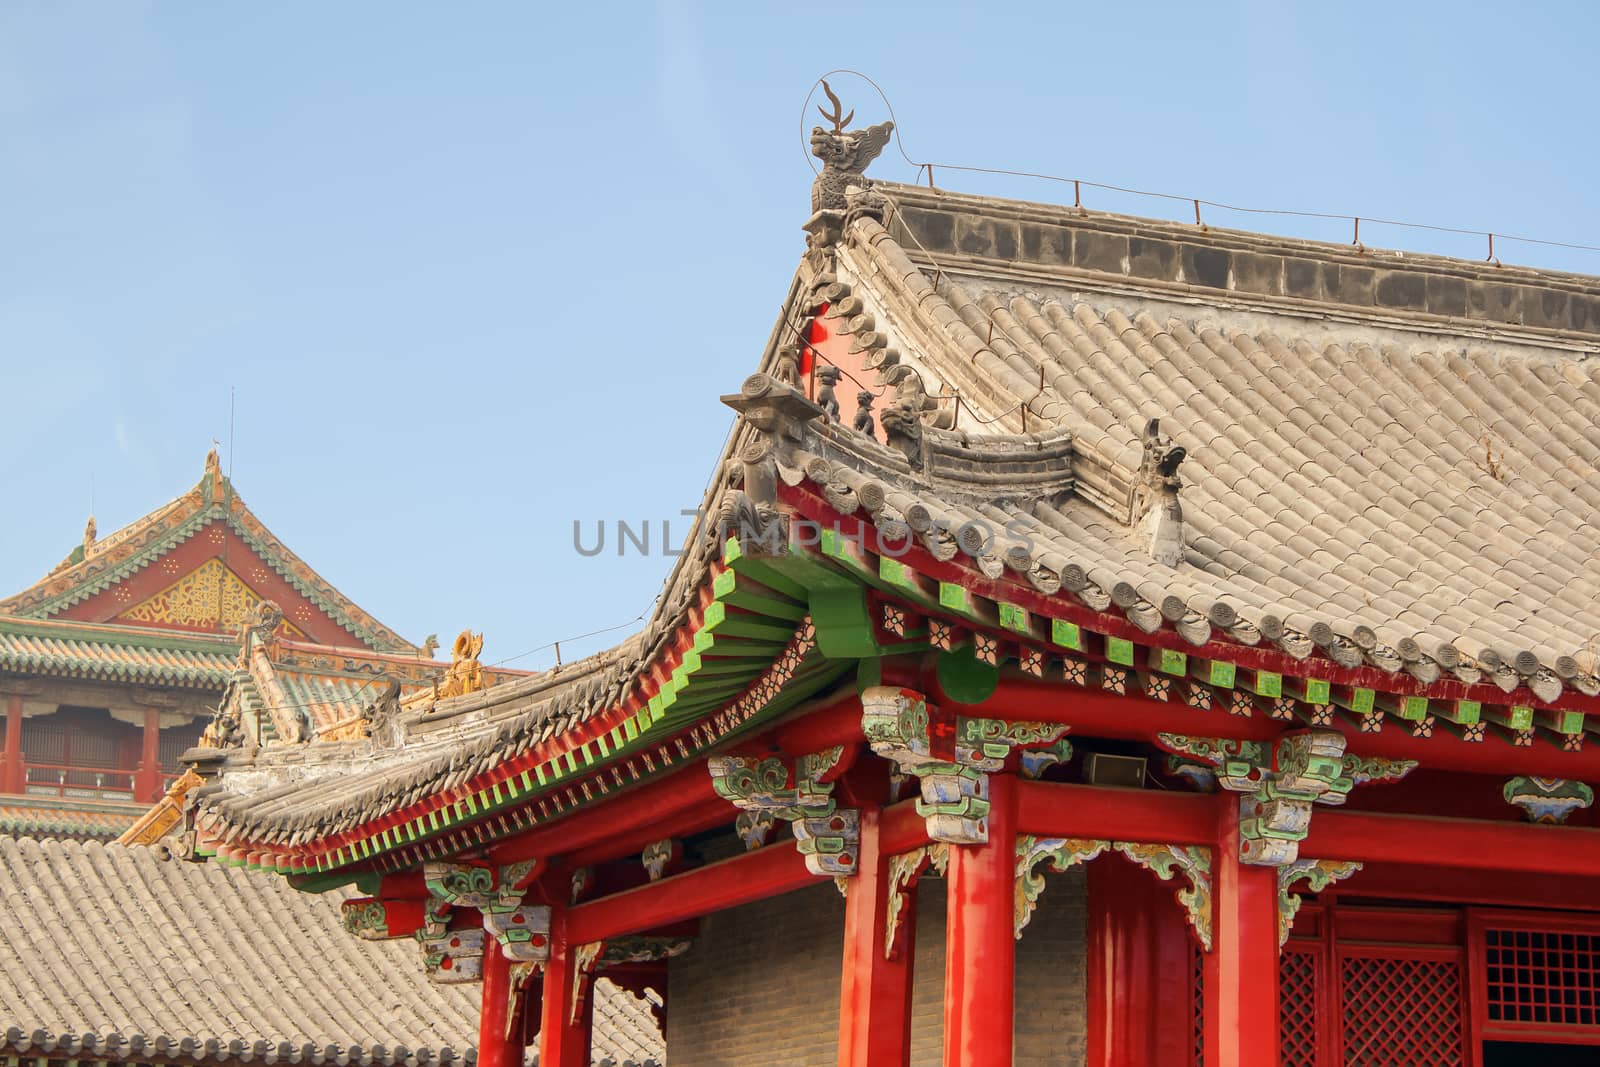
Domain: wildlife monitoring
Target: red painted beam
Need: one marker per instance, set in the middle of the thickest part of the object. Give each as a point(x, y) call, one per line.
point(1463, 844)
point(1095, 713)
point(707, 816)
point(835, 723)
point(1054, 809)
point(902, 828)
point(767, 872)
point(1488, 888)
point(684, 789)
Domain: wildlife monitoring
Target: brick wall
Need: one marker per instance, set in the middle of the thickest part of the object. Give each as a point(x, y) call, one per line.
point(760, 988)
point(1052, 1012)
point(761, 985)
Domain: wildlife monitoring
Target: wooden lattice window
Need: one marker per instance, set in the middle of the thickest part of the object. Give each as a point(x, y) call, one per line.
point(1297, 1006)
point(1401, 1007)
point(1537, 976)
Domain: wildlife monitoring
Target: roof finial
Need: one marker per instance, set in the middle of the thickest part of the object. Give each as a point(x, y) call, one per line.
point(88, 536)
point(838, 123)
point(845, 155)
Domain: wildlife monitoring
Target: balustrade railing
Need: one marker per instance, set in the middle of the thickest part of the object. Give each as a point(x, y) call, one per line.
point(89, 783)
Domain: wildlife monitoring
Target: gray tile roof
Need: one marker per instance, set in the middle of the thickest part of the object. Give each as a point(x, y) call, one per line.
point(1390, 465)
point(1425, 486)
point(126, 953)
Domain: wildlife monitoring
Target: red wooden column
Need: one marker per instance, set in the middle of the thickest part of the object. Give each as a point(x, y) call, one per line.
point(875, 992)
point(564, 1034)
point(980, 944)
point(11, 774)
point(148, 786)
point(1241, 971)
point(495, 1046)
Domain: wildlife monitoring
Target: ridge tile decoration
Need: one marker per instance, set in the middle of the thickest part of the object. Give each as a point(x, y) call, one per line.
point(1280, 783)
point(827, 835)
point(951, 756)
point(1547, 800)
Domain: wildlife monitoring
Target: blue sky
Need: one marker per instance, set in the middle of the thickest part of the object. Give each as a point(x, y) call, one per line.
point(478, 271)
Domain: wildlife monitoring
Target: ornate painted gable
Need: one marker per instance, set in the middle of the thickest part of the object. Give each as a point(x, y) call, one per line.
point(202, 563)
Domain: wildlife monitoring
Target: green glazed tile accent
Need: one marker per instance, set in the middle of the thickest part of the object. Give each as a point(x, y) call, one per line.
point(1066, 634)
point(1119, 650)
point(1414, 708)
point(1269, 684)
point(1318, 691)
point(1467, 712)
point(1013, 617)
point(1520, 717)
point(1173, 662)
point(1569, 722)
point(952, 596)
point(1361, 700)
point(1222, 673)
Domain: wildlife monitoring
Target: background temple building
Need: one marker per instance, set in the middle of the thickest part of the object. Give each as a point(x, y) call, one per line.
point(1109, 642)
point(114, 662)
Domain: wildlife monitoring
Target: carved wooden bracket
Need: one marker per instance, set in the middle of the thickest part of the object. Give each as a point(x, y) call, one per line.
point(951, 756)
point(662, 858)
point(1547, 800)
point(827, 835)
point(1318, 875)
point(904, 872)
point(1280, 783)
point(1165, 861)
point(521, 931)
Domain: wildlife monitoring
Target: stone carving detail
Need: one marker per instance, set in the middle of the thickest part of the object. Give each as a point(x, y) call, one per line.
point(1156, 496)
point(864, 423)
point(1547, 800)
point(826, 834)
point(955, 782)
point(1281, 785)
point(771, 409)
point(1062, 853)
point(909, 410)
point(845, 155)
point(1318, 875)
point(827, 378)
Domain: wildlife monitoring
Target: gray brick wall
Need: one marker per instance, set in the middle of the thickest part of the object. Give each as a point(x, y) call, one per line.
point(761, 985)
point(1052, 1011)
point(760, 988)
